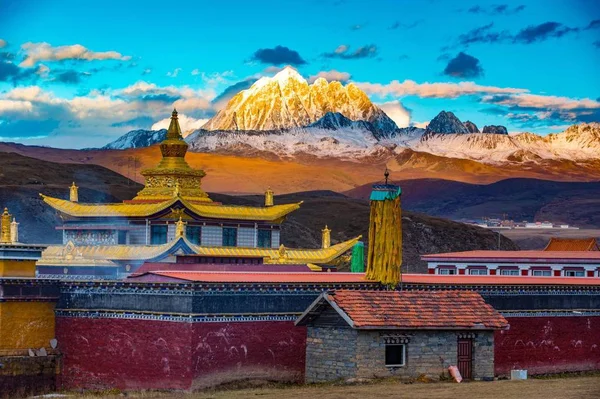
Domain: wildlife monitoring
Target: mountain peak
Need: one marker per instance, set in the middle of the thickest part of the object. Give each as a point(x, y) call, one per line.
point(286, 74)
point(286, 101)
point(445, 123)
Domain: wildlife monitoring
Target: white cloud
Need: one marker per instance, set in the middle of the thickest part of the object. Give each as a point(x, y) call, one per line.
point(422, 125)
point(330, 76)
point(174, 73)
point(186, 123)
point(43, 71)
point(542, 102)
point(341, 49)
point(36, 52)
point(9, 106)
point(433, 90)
point(2, 43)
point(146, 71)
point(195, 72)
point(396, 111)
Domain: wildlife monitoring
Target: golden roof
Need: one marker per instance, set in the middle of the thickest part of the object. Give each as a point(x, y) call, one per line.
point(70, 254)
point(209, 210)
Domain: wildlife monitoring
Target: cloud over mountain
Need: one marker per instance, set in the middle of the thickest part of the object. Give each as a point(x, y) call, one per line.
point(37, 52)
point(343, 52)
point(277, 56)
point(464, 66)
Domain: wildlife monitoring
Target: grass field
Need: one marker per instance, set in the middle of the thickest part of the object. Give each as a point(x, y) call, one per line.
point(565, 388)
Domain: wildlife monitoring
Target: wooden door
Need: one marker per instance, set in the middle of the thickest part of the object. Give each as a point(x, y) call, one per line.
point(465, 358)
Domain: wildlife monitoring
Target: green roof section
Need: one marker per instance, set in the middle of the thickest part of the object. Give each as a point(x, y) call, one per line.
point(382, 192)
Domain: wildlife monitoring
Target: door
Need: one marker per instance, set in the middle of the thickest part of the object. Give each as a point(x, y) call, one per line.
point(465, 358)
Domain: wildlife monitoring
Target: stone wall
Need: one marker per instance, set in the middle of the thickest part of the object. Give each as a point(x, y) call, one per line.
point(338, 353)
point(330, 353)
point(23, 376)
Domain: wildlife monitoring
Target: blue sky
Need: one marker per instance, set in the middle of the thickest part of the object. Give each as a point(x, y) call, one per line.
point(79, 74)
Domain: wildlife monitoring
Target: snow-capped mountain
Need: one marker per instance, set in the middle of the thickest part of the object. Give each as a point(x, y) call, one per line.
point(446, 123)
point(287, 101)
point(577, 143)
point(137, 139)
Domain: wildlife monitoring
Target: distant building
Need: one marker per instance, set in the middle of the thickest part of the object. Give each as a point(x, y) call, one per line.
point(572, 244)
point(516, 263)
point(370, 334)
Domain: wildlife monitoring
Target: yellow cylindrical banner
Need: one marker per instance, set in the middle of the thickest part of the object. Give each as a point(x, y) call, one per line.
point(384, 257)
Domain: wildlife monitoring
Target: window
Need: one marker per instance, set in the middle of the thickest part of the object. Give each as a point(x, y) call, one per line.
point(446, 270)
point(122, 237)
point(478, 272)
point(395, 355)
point(229, 236)
point(574, 273)
point(158, 234)
point(264, 239)
point(541, 273)
point(509, 272)
point(194, 234)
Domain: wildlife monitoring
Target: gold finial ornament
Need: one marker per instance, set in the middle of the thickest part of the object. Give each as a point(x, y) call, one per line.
point(74, 193)
point(173, 169)
point(282, 252)
point(14, 231)
point(180, 228)
point(269, 197)
point(176, 192)
point(5, 227)
point(326, 237)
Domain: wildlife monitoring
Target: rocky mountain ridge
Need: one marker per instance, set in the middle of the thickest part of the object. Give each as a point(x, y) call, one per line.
point(287, 101)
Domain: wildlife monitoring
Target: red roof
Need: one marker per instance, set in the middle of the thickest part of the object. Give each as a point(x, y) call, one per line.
point(261, 277)
point(572, 244)
point(538, 256)
point(457, 279)
point(337, 277)
point(412, 310)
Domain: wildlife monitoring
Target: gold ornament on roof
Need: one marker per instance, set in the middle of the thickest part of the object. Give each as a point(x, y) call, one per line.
point(73, 193)
point(326, 237)
point(14, 231)
point(180, 228)
point(269, 197)
point(282, 252)
point(172, 170)
point(5, 227)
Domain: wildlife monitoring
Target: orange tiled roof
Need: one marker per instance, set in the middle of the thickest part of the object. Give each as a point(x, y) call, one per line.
point(572, 244)
point(416, 310)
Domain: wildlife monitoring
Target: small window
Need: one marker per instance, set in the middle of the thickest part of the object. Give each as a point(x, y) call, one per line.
point(478, 272)
point(509, 272)
point(574, 273)
point(158, 234)
point(229, 236)
point(395, 355)
point(541, 273)
point(194, 234)
point(122, 237)
point(264, 238)
point(445, 270)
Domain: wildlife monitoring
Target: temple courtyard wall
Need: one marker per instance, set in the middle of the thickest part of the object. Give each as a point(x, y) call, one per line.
point(193, 335)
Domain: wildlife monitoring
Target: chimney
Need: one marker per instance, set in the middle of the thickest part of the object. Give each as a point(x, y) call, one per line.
point(5, 227)
point(73, 193)
point(269, 197)
point(14, 231)
point(326, 237)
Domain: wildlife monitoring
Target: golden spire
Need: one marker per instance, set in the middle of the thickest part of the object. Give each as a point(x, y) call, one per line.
point(269, 197)
point(173, 169)
point(73, 193)
point(5, 227)
point(326, 237)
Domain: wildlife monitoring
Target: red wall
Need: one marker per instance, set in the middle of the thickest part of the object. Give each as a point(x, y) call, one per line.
point(225, 352)
point(124, 354)
point(150, 354)
point(548, 345)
